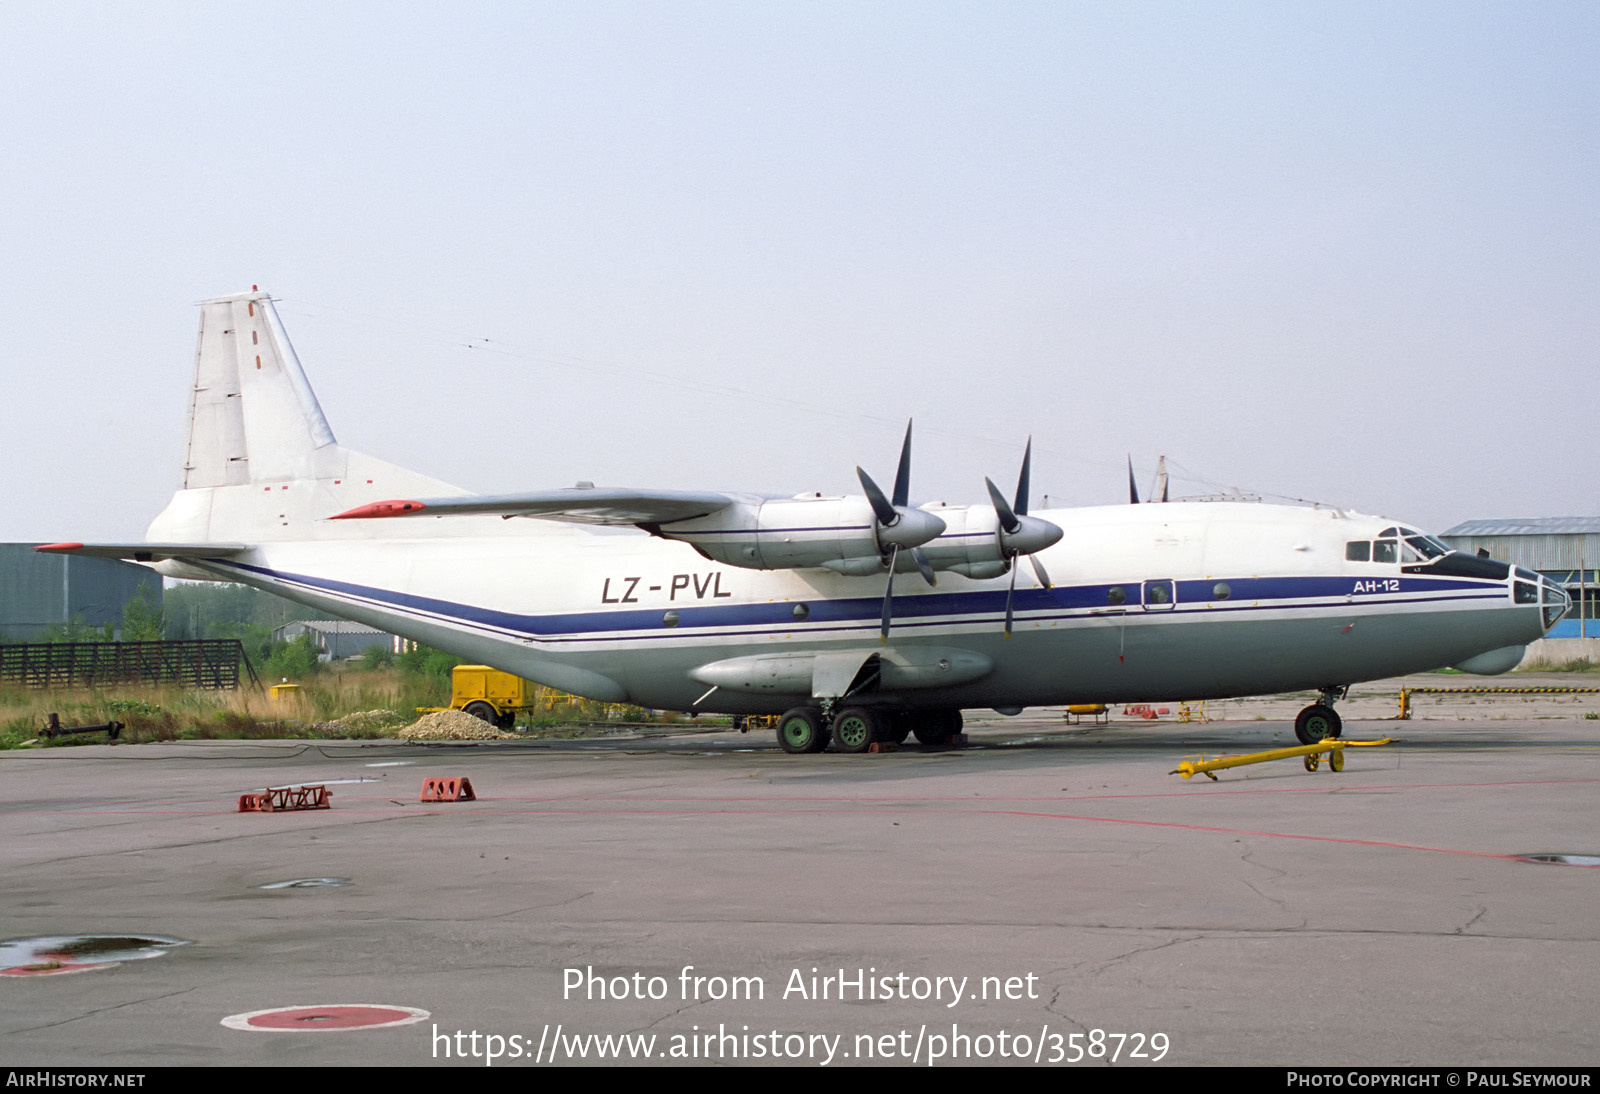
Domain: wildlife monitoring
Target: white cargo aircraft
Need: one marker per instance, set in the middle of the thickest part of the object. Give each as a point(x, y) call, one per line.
point(737, 604)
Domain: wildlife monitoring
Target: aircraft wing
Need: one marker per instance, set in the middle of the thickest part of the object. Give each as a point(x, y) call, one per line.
point(578, 505)
point(146, 552)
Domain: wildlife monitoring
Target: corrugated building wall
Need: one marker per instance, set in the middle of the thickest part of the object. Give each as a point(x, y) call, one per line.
point(39, 592)
point(1546, 544)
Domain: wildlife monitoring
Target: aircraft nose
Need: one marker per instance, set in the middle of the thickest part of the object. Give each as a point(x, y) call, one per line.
point(1556, 602)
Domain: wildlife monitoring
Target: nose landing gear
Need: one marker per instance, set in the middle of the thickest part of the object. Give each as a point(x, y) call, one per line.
point(1320, 721)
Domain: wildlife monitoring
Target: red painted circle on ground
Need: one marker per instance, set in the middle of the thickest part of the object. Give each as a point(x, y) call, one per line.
point(338, 1016)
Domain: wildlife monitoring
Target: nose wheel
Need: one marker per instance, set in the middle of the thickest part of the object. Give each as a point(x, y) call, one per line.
point(1317, 722)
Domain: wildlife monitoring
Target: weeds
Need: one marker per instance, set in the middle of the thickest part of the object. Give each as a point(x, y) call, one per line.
point(340, 702)
point(168, 713)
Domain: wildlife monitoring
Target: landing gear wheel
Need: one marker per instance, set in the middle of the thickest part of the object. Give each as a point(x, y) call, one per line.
point(936, 727)
point(855, 728)
point(1316, 723)
point(1311, 763)
point(483, 711)
point(800, 730)
point(1336, 760)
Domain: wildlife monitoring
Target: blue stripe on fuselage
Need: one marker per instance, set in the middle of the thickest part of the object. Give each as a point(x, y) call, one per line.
point(934, 609)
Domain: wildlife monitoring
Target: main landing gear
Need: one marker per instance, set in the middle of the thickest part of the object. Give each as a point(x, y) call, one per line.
point(1320, 721)
point(857, 728)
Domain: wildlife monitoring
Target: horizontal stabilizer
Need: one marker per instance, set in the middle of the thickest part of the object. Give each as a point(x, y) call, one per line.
point(578, 505)
point(146, 552)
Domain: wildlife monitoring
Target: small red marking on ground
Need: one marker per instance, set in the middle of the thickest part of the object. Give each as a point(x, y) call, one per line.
point(56, 968)
point(328, 1017)
point(334, 1016)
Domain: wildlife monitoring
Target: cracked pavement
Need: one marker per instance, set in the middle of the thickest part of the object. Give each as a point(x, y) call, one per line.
point(1279, 916)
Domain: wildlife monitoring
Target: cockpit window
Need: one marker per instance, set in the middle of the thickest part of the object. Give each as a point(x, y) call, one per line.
point(1556, 603)
point(1397, 544)
point(1525, 593)
point(1426, 547)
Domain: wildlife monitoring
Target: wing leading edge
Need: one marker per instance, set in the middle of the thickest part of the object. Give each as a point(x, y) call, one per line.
point(577, 505)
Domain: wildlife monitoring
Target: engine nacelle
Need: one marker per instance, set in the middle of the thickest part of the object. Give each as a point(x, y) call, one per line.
point(842, 534)
point(787, 533)
point(970, 545)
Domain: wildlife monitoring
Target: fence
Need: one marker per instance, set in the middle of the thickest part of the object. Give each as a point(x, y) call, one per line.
point(210, 663)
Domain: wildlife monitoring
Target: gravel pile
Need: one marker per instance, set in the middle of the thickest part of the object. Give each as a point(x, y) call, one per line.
point(452, 725)
point(365, 720)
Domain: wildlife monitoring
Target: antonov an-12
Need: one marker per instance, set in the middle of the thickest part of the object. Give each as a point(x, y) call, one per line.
point(859, 618)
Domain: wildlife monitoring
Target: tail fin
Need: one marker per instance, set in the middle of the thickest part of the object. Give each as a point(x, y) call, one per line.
point(260, 462)
point(254, 417)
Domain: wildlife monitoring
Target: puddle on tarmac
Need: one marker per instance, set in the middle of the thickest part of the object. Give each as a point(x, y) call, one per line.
point(307, 883)
point(78, 952)
point(1560, 858)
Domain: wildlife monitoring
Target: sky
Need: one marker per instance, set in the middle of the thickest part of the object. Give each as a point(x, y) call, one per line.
point(1346, 253)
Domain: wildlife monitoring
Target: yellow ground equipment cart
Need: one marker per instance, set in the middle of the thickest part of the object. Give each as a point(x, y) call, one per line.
point(496, 697)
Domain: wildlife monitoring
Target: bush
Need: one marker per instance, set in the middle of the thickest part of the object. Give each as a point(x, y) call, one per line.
point(293, 660)
point(427, 661)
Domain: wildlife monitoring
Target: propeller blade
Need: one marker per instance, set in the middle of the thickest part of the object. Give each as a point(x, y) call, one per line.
point(888, 597)
point(1021, 506)
point(924, 565)
point(1038, 569)
point(897, 524)
point(902, 477)
point(880, 505)
point(1133, 489)
point(1008, 518)
point(1011, 591)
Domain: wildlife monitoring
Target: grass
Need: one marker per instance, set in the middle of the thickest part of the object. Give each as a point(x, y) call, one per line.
point(319, 709)
point(1581, 664)
point(177, 714)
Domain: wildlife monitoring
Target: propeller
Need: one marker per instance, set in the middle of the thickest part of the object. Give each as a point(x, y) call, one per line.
point(1021, 534)
point(1159, 488)
point(899, 527)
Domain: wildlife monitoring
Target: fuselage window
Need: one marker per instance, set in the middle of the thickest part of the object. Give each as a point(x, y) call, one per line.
point(1221, 591)
point(1116, 595)
point(1385, 550)
point(1358, 550)
point(1160, 592)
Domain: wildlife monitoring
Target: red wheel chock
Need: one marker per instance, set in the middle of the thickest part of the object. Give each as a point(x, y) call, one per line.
point(282, 799)
point(448, 790)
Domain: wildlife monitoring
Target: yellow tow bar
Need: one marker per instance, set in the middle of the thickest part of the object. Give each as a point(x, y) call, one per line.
point(1310, 753)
